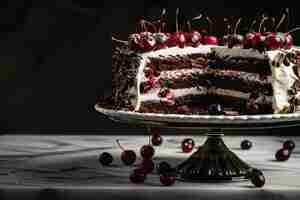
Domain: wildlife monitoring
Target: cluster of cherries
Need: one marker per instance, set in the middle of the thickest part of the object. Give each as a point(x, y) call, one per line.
point(152, 36)
point(282, 154)
point(147, 41)
point(147, 166)
point(285, 152)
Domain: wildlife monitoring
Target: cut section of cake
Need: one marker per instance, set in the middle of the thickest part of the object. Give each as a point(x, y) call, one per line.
point(189, 80)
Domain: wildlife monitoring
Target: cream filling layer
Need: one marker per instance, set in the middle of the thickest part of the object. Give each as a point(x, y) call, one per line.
point(283, 78)
point(152, 95)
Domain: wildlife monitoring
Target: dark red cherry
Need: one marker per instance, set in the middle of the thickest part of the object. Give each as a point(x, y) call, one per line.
point(259, 41)
point(137, 177)
point(105, 158)
point(274, 42)
point(194, 38)
point(282, 155)
point(249, 41)
point(289, 41)
point(148, 42)
point(180, 39)
point(156, 140)
point(289, 145)
point(147, 151)
point(257, 178)
point(210, 40)
point(167, 180)
point(128, 157)
point(187, 145)
point(246, 144)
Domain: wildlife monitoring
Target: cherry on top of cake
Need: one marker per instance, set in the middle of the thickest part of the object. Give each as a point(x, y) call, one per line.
point(152, 36)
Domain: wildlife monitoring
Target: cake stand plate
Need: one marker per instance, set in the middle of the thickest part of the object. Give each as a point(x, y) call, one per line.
point(213, 161)
point(203, 121)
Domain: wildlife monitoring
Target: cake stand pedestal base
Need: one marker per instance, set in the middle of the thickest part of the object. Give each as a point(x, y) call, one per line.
point(213, 161)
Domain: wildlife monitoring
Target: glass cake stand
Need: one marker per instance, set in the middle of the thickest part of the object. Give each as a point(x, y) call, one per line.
point(213, 161)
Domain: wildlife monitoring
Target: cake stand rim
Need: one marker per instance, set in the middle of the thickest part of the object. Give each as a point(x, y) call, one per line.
point(209, 121)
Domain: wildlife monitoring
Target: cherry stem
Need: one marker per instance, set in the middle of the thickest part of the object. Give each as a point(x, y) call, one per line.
point(117, 40)
point(143, 26)
point(261, 23)
point(273, 20)
point(210, 22)
point(162, 20)
point(228, 27)
point(197, 17)
point(120, 146)
point(294, 30)
point(252, 25)
point(146, 23)
point(280, 22)
point(189, 26)
point(177, 14)
point(149, 139)
point(237, 26)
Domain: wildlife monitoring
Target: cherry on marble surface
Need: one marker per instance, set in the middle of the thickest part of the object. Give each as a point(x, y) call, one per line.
point(289, 145)
point(105, 158)
point(167, 180)
point(282, 155)
point(187, 145)
point(246, 144)
point(257, 178)
point(147, 151)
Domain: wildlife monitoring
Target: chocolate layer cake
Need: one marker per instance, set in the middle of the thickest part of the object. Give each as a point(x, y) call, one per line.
point(192, 71)
point(189, 80)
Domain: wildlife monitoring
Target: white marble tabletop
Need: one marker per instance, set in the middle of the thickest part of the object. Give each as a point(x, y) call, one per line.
point(66, 166)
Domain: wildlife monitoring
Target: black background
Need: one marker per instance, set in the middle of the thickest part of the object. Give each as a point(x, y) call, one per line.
point(55, 55)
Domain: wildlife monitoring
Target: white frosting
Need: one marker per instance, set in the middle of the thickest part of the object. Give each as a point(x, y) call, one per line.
point(283, 78)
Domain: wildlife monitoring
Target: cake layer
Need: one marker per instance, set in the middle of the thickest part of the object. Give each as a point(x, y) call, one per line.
point(171, 62)
point(230, 99)
point(246, 60)
point(226, 79)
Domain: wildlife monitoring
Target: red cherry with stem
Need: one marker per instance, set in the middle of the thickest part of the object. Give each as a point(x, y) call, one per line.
point(274, 41)
point(156, 140)
point(289, 41)
point(167, 180)
point(147, 151)
point(148, 42)
point(128, 157)
point(187, 145)
point(137, 177)
point(210, 40)
point(249, 41)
